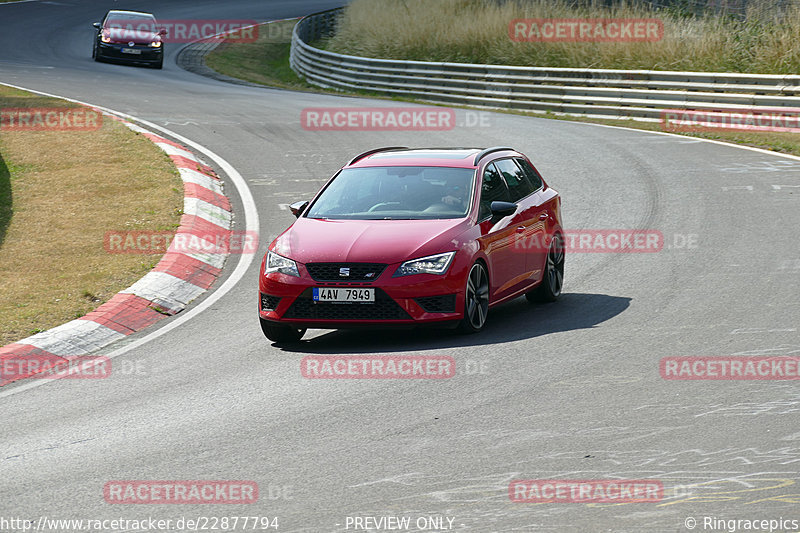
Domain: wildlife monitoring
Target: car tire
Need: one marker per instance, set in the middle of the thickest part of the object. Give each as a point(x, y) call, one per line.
point(553, 279)
point(281, 332)
point(160, 64)
point(476, 299)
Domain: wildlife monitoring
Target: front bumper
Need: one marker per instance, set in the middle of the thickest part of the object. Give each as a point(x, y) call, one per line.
point(402, 301)
point(114, 52)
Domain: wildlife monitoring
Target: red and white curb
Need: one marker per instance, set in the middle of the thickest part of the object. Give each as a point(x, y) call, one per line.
point(176, 280)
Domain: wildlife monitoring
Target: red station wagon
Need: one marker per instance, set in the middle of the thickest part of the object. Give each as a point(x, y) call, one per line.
point(404, 237)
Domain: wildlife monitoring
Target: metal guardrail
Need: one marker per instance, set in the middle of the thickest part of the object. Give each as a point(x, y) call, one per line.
point(606, 93)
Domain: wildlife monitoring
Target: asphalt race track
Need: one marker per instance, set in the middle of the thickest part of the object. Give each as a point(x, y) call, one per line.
point(570, 390)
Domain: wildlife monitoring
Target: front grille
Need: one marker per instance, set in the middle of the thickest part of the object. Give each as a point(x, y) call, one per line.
point(446, 303)
point(269, 302)
point(384, 308)
point(114, 51)
point(116, 54)
point(332, 271)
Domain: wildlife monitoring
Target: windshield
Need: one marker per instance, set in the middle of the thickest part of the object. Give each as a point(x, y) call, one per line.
point(131, 21)
point(386, 193)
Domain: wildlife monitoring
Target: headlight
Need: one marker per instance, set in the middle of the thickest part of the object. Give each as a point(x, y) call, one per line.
point(105, 38)
point(155, 44)
point(433, 264)
point(278, 263)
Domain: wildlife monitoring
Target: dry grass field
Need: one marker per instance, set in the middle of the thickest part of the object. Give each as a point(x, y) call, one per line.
point(60, 191)
point(476, 31)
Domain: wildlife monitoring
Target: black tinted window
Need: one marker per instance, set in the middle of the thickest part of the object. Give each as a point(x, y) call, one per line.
point(533, 176)
point(518, 184)
point(492, 189)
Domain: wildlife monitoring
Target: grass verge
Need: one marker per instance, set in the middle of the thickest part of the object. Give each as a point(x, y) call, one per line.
point(60, 192)
point(785, 143)
point(265, 61)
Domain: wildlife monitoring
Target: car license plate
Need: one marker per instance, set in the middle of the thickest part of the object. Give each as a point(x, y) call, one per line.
point(131, 51)
point(341, 294)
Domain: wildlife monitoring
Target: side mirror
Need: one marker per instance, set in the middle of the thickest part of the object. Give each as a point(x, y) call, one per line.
point(97, 25)
point(297, 208)
point(502, 209)
point(162, 31)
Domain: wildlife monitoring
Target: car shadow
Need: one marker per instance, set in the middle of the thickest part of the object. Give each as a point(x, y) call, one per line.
point(513, 321)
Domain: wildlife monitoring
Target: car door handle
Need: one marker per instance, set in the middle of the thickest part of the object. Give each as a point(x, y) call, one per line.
point(543, 216)
point(521, 229)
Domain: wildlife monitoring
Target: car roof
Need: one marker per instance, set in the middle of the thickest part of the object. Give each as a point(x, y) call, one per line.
point(423, 157)
point(126, 12)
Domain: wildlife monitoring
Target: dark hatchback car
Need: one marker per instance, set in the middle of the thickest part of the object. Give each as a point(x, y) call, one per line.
point(130, 37)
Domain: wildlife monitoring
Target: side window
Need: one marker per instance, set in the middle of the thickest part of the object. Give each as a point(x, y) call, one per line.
point(518, 184)
point(533, 176)
point(492, 189)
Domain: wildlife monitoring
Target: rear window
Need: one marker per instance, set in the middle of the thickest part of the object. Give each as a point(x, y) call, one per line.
point(533, 176)
point(517, 181)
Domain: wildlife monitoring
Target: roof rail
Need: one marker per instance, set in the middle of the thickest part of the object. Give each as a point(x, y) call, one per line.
point(375, 151)
point(489, 151)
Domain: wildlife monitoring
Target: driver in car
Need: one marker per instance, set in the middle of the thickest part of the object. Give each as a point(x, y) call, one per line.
point(455, 196)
